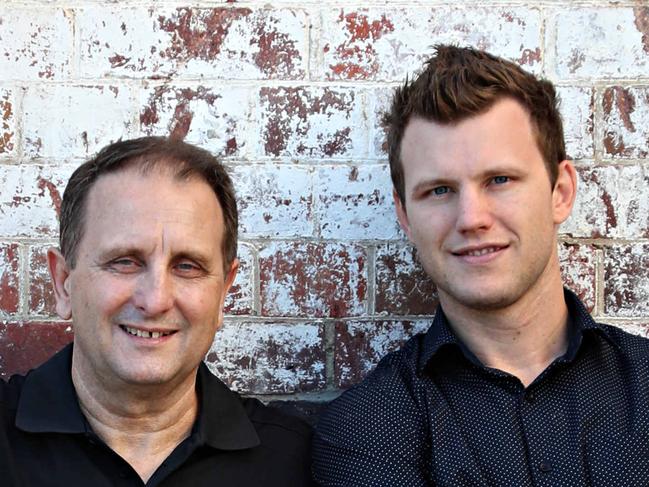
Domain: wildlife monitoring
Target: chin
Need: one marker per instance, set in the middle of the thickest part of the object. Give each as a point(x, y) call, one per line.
point(484, 300)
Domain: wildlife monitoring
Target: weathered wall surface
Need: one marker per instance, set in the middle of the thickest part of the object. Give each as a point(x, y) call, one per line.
point(290, 94)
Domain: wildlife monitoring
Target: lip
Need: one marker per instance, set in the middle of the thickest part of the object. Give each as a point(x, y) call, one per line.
point(480, 254)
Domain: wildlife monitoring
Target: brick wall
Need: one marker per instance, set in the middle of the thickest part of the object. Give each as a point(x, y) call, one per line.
point(290, 95)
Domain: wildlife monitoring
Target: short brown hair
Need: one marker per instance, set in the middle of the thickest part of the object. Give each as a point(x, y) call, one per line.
point(460, 82)
point(146, 153)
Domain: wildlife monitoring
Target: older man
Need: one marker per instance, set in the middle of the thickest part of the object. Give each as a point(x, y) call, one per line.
point(147, 253)
point(514, 384)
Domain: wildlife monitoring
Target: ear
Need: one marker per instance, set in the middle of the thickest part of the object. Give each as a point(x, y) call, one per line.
point(229, 280)
point(402, 216)
point(60, 274)
point(564, 192)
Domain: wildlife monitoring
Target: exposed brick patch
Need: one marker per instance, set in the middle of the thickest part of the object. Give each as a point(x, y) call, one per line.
point(9, 281)
point(265, 358)
point(402, 285)
point(355, 202)
point(626, 110)
point(212, 118)
point(626, 276)
point(41, 292)
point(584, 37)
point(274, 200)
point(35, 43)
point(239, 300)
point(578, 271)
point(311, 122)
point(577, 110)
point(7, 122)
point(611, 202)
point(313, 279)
point(86, 118)
point(226, 43)
point(30, 198)
point(361, 344)
point(26, 345)
point(641, 15)
point(385, 44)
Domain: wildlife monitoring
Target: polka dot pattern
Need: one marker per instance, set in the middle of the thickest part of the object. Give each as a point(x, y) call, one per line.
point(431, 414)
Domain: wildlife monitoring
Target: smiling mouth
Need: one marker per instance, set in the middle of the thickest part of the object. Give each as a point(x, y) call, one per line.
point(145, 334)
point(479, 252)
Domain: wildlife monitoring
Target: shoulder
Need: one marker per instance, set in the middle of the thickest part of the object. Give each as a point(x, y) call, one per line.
point(636, 347)
point(386, 403)
point(276, 426)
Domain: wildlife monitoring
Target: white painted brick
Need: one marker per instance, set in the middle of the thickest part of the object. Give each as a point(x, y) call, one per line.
point(75, 121)
point(355, 202)
point(274, 200)
point(228, 43)
point(267, 358)
point(611, 202)
point(35, 43)
point(29, 199)
point(387, 44)
point(600, 43)
point(217, 119)
point(577, 105)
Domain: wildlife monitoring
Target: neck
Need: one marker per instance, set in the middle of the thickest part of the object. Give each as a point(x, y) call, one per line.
point(521, 339)
point(143, 424)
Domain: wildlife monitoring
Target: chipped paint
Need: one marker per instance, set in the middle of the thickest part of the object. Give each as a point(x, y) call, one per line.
point(312, 279)
point(265, 358)
point(626, 134)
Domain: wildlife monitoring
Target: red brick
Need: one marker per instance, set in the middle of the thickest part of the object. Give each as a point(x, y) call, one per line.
point(355, 202)
point(7, 122)
point(361, 344)
point(215, 119)
point(578, 270)
point(275, 200)
point(402, 285)
point(9, 278)
point(626, 111)
point(269, 358)
point(387, 43)
point(600, 42)
point(41, 292)
point(239, 300)
point(626, 280)
point(227, 43)
point(311, 122)
point(26, 345)
point(35, 43)
point(64, 121)
point(313, 279)
point(31, 199)
point(611, 202)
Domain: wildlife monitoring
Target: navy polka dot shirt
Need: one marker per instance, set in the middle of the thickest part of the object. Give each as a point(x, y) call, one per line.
point(432, 414)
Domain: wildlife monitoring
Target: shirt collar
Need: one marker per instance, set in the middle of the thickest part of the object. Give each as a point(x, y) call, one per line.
point(441, 334)
point(48, 404)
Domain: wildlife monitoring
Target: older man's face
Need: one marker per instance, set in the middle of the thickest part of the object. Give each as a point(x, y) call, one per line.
point(146, 295)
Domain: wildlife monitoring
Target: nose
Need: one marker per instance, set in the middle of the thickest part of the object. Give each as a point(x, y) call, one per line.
point(474, 212)
point(154, 293)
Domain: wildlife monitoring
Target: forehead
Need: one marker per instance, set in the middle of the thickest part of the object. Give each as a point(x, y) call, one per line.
point(503, 132)
point(133, 205)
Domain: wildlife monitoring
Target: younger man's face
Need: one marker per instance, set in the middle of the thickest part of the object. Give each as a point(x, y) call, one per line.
point(479, 205)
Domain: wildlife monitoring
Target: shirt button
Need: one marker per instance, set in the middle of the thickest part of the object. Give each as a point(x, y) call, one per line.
point(530, 396)
point(545, 466)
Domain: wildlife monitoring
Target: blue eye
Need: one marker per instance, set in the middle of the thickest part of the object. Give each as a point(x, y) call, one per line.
point(500, 179)
point(441, 190)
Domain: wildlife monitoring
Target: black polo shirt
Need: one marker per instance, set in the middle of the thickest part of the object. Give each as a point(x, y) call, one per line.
point(46, 441)
point(432, 414)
